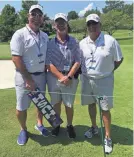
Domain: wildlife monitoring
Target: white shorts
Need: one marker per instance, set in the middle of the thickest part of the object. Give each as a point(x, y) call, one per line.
point(91, 89)
point(23, 101)
point(59, 93)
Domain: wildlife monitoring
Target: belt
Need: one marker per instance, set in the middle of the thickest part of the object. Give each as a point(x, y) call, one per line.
point(37, 73)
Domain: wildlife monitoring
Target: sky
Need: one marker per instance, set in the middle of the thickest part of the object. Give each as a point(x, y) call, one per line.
point(52, 7)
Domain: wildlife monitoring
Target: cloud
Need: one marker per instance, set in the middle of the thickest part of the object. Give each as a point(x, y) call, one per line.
point(82, 12)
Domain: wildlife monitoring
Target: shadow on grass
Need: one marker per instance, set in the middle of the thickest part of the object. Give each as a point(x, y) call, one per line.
point(120, 135)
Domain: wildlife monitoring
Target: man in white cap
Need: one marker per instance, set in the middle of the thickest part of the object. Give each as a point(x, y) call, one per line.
point(101, 56)
point(63, 60)
point(28, 48)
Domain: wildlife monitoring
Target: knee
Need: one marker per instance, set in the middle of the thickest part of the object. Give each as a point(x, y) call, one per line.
point(90, 106)
point(106, 113)
point(57, 104)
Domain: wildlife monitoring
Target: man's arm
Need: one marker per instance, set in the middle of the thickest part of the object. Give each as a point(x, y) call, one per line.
point(74, 69)
point(117, 64)
point(54, 71)
point(22, 69)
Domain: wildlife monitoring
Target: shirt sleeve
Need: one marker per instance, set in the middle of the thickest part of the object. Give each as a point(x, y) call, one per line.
point(17, 44)
point(82, 57)
point(77, 55)
point(117, 51)
point(48, 54)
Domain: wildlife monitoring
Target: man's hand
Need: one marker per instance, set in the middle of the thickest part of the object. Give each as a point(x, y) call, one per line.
point(30, 85)
point(65, 80)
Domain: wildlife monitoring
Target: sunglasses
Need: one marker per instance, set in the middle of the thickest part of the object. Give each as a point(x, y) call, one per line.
point(34, 14)
point(89, 23)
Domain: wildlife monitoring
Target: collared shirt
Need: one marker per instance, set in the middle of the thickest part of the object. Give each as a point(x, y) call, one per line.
point(98, 57)
point(61, 55)
point(31, 46)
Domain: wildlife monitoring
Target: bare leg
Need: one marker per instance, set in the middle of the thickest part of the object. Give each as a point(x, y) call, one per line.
point(69, 113)
point(22, 117)
point(57, 108)
point(106, 115)
point(39, 118)
point(92, 113)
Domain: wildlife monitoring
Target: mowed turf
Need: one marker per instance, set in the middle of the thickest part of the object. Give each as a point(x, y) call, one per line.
point(61, 146)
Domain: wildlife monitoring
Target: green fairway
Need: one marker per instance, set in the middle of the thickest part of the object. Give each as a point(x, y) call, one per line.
point(61, 146)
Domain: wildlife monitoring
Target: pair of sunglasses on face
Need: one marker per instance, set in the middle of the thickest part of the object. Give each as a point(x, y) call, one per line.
point(89, 23)
point(34, 14)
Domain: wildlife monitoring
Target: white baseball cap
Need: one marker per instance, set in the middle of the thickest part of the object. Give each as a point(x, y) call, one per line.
point(60, 15)
point(36, 7)
point(93, 17)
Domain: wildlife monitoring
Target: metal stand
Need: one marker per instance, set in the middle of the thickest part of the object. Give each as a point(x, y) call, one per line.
point(101, 122)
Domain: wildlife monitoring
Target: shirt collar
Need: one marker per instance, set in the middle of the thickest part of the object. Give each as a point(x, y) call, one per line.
point(67, 40)
point(99, 41)
point(31, 31)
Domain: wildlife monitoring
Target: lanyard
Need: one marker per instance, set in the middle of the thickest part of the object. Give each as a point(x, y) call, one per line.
point(38, 45)
point(92, 54)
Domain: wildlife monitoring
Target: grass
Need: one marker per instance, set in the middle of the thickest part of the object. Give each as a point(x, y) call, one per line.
point(5, 52)
point(61, 146)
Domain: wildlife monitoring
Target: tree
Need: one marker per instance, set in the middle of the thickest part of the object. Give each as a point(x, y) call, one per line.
point(113, 5)
point(24, 12)
point(7, 22)
point(128, 9)
point(126, 22)
point(93, 11)
point(72, 15)
point(111, 21)
point(27, 4)
point(78, 25)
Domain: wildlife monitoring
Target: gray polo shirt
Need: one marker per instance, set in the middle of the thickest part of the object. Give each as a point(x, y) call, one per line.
point(31, 46)
point(98, 57)
point(61, 55)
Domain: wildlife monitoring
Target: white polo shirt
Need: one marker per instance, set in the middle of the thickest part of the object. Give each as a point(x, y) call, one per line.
point(98, 57)
point(31, 46)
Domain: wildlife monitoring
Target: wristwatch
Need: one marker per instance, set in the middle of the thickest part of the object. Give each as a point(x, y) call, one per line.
point(69, 77)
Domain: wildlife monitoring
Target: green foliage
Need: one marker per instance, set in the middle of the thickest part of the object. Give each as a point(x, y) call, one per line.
point(111, 21)
point(128, 9)
point(72, 15)
point(47, 28)
point(117, 15)
point(93, 11)
point(126, 22)
point(24, 12)
point(78, 25)
point(7, 22)
point(27, 4)
point(113, 5)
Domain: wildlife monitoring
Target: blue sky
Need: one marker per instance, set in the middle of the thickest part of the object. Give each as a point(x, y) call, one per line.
point(53, 7)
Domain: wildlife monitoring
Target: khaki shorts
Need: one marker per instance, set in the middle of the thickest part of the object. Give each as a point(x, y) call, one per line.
point(23, 101)
point(91, 89)
point(59, 93)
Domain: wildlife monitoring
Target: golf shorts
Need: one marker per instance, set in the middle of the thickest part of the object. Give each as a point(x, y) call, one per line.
point(91, 89)
point(59, 92)
point(23, 101)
